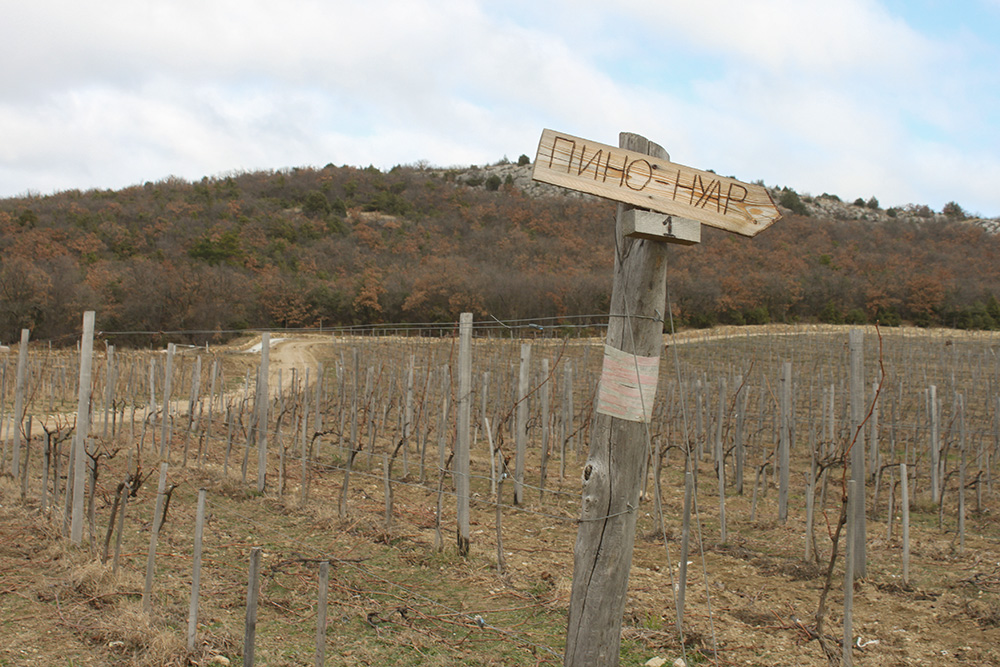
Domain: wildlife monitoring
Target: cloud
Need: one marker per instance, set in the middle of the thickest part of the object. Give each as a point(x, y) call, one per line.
point(844, 96)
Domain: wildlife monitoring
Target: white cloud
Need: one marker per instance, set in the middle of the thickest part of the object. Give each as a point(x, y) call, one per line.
point(809, 93)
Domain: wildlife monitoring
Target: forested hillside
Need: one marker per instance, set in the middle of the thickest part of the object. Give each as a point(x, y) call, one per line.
point(342, 245)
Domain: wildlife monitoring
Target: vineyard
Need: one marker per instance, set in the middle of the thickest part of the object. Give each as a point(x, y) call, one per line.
point(329, 523)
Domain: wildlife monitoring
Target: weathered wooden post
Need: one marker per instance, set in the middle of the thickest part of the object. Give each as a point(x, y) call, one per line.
point(784, 443)
point(321, 604)
point(262, 401)
point(79, 445)
point(521, 437)
point(22, 364)
point(856, 522)
point(168, 374)
point(904, 494)
point(638, 173)
point(253, 592)
point(464, 422)
point(199, 529)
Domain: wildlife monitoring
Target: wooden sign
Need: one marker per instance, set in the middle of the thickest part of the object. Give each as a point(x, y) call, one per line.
point(655, 184)
point(639, 223)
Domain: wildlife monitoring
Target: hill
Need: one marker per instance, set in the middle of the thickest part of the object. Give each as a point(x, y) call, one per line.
point(344, 246)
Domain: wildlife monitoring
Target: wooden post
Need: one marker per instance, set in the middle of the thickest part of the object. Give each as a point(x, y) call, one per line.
point(22, 363)
point(165, 426)
point(387, 485)
point(545, 391)
point(569, 434)
point(463, 426)
point(961, 474)
point(109, 388)
point(935, 444)
point(612, 477)
point(685, 544)
point(739, 445)
point(904, 497)
point(784, 443)
point(521, 438)
point(857, 522)
point(853, 496)
point(324, 587)
point(262, 403)
point(317, 413)
point(199, 528)
point(161, 488)
point(121, 526)
point(82, 426)
point(253, 590)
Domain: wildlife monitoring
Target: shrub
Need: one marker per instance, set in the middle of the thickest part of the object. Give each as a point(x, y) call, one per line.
point(493, 183)
point(758, 315)
point(831, 314)
point(889, 318)
point(316, 205)
point(872, 203)
point(790, 200)
point(28, 218)
point(855, 316)
point(859, 201)
point(701, 320)
point(224, 248)
point(953, 211)
point(523, 160)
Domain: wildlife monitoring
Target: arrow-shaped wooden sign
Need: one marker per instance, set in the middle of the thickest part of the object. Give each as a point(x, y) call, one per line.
point(654, 184)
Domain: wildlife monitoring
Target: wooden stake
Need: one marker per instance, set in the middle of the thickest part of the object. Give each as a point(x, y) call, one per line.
point(161, 488)
point(849, 573)
point(82, 427)
point(685, 550)
point(784, 445)
point(199, 528)
point(262, 403)
point(324, 587)
point(165, 426)
point(905, 504)
point(857, 522)
point(22, 362)
point(253, 591)
point(462, 480)
point(521, 438)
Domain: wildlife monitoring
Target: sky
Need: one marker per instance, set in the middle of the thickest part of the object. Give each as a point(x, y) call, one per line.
point(897, 99)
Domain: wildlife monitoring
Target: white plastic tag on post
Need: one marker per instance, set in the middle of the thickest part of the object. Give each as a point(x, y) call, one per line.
point(628, 385)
